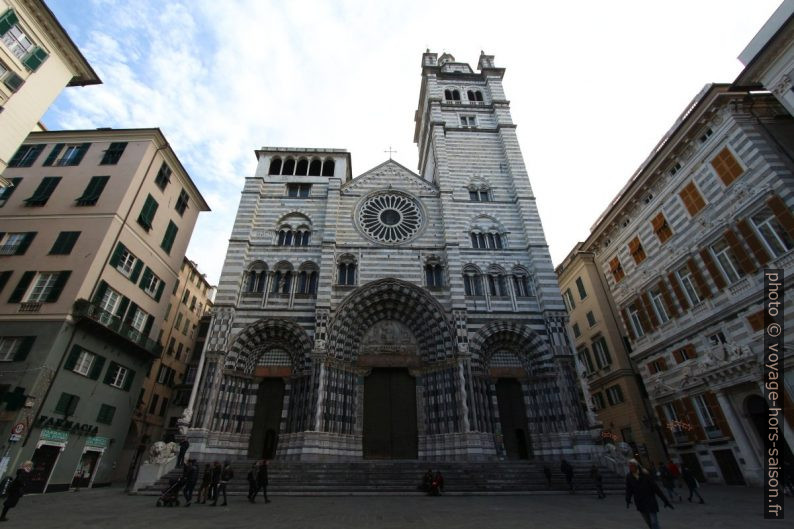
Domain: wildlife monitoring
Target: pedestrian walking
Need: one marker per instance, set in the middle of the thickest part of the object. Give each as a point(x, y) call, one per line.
point(252, 486)
point(16, 489)
point(261, 480)
point(669, 477)
point(675, 471)
point(190, 473)
point(691, 483)
point(595, 475)
point(204, 488)
point(547, 473)
point(567, 470)
point(643, 489)
point(183, 446)
point(215, 482)
point(227, 474)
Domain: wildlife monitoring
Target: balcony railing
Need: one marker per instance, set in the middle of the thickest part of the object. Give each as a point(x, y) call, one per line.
point(85, 310)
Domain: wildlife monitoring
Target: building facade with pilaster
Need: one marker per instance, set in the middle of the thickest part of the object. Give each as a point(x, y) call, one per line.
point(684, 247)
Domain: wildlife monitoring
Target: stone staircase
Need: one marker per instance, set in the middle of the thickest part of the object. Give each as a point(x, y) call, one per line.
point(397, 477)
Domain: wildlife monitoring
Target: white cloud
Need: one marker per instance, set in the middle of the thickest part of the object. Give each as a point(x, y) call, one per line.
point(592, 85)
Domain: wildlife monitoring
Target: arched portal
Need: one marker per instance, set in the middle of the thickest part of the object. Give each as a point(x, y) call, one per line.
point(507, 354)
point(268, 353)
point(390, 329)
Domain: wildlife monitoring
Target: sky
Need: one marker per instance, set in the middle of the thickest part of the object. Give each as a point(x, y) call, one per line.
point(593, 86)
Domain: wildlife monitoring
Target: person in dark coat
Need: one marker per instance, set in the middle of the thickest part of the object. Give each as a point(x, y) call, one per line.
point(204, 488)
point(643, 489)
point(427, 480)
point(252, 486)
point(16, 489)
point(547, 473)
point(189, 477)
point(691, 483)
point(215, 481)
point(227, 474)
point(567, 470)
point(667, 480)
point(595, 475)
point(183, 446)
point(261, 480)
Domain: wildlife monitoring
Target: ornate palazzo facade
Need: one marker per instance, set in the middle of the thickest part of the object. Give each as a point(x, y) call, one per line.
point(394, 315)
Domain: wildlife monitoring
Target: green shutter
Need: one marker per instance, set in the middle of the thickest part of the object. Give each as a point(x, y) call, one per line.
point(22, 287)
point(34, 58)
point(25, 243)
point(63, 277)
point(93, 191)
point(160, 289)
point(13, 82)
point(122, 308)
point(71, 360)
point(72, 404)
point(54, 154)
point(100, 292)
point(4, 277)
point(169, 237)
point(147, 277)
point(24, 348)
point(148, 327)
point(128, 380)
point(114, 259)
point(130, 313)
point(109, 373)
point(7, 20)
point(136, 270)
point(96, 368)
point(63, 403)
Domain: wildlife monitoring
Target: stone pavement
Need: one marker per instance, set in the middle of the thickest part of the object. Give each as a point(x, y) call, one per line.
point(110, 508)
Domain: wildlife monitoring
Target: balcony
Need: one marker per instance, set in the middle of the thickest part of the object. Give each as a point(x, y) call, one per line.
point(113, 327)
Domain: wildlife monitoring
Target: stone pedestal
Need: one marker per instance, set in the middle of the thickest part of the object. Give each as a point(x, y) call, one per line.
point(149, 473)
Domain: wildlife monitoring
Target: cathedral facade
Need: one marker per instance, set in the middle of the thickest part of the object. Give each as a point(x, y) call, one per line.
point(396, 314)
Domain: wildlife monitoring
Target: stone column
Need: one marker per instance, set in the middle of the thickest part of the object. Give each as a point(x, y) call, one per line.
point(318, 419)
point(752, 464)
point(464, 406)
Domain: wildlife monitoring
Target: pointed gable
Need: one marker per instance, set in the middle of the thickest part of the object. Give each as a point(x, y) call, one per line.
point(390, 174)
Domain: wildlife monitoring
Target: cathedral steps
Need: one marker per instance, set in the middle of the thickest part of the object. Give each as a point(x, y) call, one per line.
point(395, 477)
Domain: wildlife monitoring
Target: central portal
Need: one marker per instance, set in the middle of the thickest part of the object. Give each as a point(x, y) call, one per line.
point(267, 419)
point(390, 415)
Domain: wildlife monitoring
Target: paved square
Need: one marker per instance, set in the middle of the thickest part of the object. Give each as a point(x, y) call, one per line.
point(727, 508)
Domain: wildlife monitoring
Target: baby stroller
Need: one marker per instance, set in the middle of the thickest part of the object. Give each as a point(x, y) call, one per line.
point(170, 496)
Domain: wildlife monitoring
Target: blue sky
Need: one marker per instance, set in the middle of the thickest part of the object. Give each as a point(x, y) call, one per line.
point(593, 85)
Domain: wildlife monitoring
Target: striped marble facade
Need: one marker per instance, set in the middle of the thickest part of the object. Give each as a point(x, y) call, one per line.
point(458, 342)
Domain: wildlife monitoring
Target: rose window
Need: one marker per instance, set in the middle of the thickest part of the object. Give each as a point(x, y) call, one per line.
point(390, 217)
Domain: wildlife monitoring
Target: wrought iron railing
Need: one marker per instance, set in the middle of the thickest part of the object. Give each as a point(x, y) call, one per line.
point(83, 309)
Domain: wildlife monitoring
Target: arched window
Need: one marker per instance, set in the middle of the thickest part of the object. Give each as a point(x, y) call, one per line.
point(255, 278)
point(282, 234)
point(302, 168)
point(521, 283)
point(472, 281)
point(470, 95)
point(478, 95)
point(306, 235)
point(481, 194)
point(289, 167)
point(455, 95)
point(346, 270)
point(434, 275)
point(275, 166)
point(282, 279)
point(307, 280)
point(328, 167)
point(288, 239)
point(448, 95)
point(497, 284)
point(486, 233)
point(316, 167)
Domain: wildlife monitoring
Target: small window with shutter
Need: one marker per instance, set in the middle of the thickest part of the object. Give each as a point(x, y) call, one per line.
point(726, 166)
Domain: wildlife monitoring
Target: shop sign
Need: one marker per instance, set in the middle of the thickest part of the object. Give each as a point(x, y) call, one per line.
point(66, 425)
point(98, 442)
point(54, 435)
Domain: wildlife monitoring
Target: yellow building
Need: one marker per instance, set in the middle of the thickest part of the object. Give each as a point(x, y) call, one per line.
point(616, 395)
point(37, 60)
